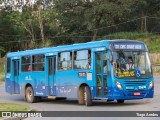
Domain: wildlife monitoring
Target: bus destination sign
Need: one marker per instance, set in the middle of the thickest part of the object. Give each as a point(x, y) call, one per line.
point(129, 46)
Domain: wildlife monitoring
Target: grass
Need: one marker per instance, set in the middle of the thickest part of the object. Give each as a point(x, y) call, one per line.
point(1, 79)
point(13, 107)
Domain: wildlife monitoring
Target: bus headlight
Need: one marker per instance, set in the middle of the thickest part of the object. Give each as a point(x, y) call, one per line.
point(119, 86)
point(150, 85)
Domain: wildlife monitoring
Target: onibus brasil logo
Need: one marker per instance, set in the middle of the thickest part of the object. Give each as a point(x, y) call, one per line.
point(20, 114)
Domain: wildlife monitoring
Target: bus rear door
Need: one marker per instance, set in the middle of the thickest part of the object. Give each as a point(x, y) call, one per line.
point(16, 86)
point(51, 65)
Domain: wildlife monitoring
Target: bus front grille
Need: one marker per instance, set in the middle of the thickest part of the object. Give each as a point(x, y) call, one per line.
point(135, 83)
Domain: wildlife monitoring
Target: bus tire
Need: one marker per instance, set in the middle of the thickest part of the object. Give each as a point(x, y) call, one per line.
point(29, 93)
point(81, 96)
point(120, 101)
point(88, 96)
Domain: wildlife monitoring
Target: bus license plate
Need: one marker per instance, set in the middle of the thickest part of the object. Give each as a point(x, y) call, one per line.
point(137, 93)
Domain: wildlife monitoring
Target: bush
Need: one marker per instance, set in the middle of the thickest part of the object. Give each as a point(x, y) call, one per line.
point(1, 78)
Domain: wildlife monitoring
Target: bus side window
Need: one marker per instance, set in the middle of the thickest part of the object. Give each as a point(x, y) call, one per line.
point(38, 62)
point(65, 61)
point(26, 63)
point(82, 59)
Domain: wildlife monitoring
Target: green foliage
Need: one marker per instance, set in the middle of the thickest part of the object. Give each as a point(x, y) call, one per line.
point(1, 79)
point(59, 22)
point(127, 35)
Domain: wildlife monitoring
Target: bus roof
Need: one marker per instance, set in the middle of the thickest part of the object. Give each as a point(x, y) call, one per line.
point(77, 46)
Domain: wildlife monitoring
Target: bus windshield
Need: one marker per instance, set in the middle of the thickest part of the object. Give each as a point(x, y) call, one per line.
point(127, 63)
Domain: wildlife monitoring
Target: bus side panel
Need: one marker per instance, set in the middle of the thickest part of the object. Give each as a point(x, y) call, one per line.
point(24, 80)
point(68, 83)
point(39, 87)
point(8, 85)
point(12, 87)
point(16, 87)
point(67, 91)
point(36, 80)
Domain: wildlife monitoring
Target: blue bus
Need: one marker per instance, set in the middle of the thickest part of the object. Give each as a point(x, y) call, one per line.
point(109, 69)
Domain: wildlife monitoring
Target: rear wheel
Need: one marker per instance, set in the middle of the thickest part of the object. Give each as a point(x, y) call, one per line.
point(120, 101)
point(29, 93)
point(87, 96)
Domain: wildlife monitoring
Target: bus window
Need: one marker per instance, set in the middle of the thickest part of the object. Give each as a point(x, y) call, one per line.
point(82, 59)
point(105, 68)
point(64, 61)
point(8, 65)
point(38, 62)
point(50, 66)
point(99, 63)
point(26, 63)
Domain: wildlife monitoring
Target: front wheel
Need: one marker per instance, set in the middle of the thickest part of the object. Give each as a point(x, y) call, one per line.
point(29, 94)
point(81, 100)
point(120, 101)
point(87, 96)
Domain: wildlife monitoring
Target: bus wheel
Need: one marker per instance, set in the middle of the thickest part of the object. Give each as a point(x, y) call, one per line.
point(87, 96)
point(120, 101)
point(30, 95)
point(81, 96)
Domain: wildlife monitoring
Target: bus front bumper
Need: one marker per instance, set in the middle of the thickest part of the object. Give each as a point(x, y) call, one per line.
point(117, 94)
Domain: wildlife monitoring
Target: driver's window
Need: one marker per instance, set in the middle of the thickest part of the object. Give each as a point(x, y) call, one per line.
point(140, 62)
point(123, 61)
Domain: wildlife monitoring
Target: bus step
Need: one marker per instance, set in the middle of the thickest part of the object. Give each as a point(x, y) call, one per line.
point(52, 97)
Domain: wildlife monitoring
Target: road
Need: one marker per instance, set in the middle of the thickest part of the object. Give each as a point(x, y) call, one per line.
point(71, 105)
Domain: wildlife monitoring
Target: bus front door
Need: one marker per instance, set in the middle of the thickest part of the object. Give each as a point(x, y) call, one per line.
point(51, 75)
point(101, 74)
point(16, 86)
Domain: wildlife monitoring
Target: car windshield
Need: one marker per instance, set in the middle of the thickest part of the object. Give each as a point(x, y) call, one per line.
point(132, 64)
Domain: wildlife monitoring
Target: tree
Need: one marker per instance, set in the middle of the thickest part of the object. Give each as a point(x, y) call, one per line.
point(9, 31)
point(79, 15)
